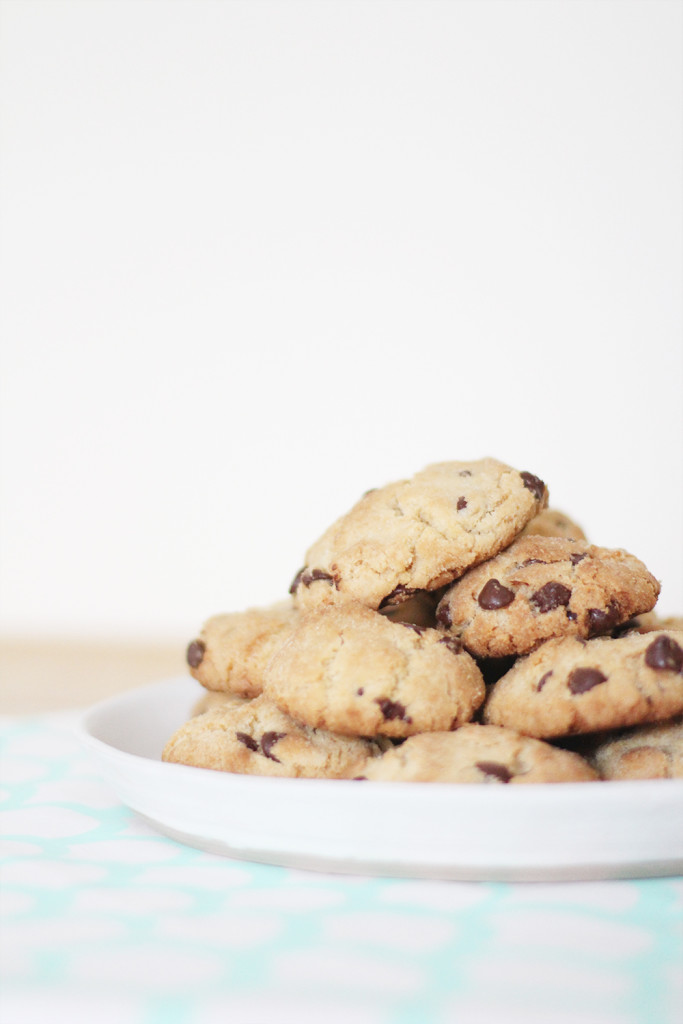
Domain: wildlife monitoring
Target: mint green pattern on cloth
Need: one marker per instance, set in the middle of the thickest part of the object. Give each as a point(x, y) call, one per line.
point(105, 920)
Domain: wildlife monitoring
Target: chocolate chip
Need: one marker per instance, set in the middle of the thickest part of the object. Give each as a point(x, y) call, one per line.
point(392, 709)
point(248, 741)
point(583, 679)
point(195, 653)
point(360, 691)
point(359, 778)
point(624, 627)
point(576, 557)
point(465, 472)
point(268, 741)
point(411, 625)
point(552, 595)
point(533, 484)
point(297, 580)
point(306, 576)
point(452, 643)
point(600, 620)
point(398, 596)
point(572, 616)
point(443, 615)
point(462, 503)
point(497, 771)
point(664, 654)
point(494, 595)
point(543, 680)
point(318, 574)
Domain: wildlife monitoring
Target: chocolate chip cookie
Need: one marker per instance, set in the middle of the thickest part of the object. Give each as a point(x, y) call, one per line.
point(544, 587)
point(573, 686)
point(233, 650)
point(645, 752)
point(478, 753)
point(650, 622)
point(351, 670)
point(419, 534)
point(257, 738)
point(211, 699)
point(552, 523)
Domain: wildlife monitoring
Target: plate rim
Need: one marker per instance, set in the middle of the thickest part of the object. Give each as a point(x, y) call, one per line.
point(519, 804)
point(109, 703)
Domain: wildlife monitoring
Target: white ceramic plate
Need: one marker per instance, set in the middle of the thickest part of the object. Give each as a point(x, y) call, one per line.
point(568, 831)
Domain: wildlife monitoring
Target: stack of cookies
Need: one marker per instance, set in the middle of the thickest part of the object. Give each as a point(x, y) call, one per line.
point(448, 628)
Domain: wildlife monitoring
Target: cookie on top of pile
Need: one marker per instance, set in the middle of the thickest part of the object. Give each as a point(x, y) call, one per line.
point(448, 628)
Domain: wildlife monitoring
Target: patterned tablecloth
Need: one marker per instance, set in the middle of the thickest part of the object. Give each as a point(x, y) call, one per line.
point(104, 920)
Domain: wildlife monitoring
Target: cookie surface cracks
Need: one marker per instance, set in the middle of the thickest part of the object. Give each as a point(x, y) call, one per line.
point(258, 738)
point(478, 754)
point(353, 671)
point(571, 686)
point(233, 649)
point(419, 534)
point(544, 587)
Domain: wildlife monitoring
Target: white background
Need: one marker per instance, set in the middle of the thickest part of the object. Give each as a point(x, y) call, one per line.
point(258, 257)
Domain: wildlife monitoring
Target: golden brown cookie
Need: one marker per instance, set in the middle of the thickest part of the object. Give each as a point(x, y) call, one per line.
point(353, 671)
point(544, 587)
point(650, 622)
point(211, 699)
point(233, 650)
point(478, 753)
point(419, 534)
point(574, 686)
point(257, 738)
point(645, 752)
point(672, 623)
point(552, 523)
